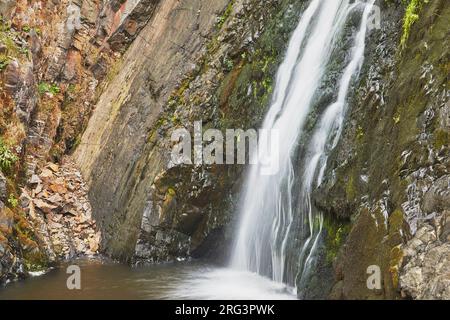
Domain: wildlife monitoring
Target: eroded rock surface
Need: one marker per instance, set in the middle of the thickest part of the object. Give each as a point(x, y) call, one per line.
point(56, 203)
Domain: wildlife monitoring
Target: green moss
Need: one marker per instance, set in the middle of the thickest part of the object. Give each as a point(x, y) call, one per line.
point(4, 61)
point(411, 16)
point(45, 87)
point(396, 258)
point(171, 192)
point(350, 189)
point(33, 258)
point(225, 15)
point(12, 201)
point(396, 118)
point(6, 38)
point(396, 221)
point(7, 157)
point(9, 38)
point(114, 69)
point(72, 88)
point(359, 133)
point(228, 64)
point(441, 139)
point(336, 233)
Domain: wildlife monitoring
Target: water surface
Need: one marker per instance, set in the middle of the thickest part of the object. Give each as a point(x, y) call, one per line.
point(183, 280)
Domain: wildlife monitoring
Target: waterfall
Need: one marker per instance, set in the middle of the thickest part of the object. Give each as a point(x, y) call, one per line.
point(279, 228)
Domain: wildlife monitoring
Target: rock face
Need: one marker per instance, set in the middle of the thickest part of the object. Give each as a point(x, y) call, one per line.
point(210, 63)
point(54, 60)
point(389, 172)
point(117, 160)
point(54, 223)
point(426, 272)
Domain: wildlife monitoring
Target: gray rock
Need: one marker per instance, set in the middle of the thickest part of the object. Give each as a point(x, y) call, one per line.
point(426, 275)
point(3, 189)
point(437, 197)
point(445, 227)
point(35, 179)
point(6, 7)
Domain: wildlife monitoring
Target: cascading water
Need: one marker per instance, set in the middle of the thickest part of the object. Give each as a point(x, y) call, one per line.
point(279, 227)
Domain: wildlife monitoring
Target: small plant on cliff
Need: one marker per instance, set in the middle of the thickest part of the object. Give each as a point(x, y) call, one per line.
point(7, 157)
point(223, 18)
point(12, 201)
point(228, 64)
point(44, 87)
point(4, 61)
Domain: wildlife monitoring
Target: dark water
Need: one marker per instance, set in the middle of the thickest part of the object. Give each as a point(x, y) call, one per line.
point(183, 280)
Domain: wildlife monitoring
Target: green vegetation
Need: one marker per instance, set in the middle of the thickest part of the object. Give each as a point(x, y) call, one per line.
point(350, 189)
point(359, 133)
point(7, 157)
point(4, 61)
point(44, 87)
point(336, 233)
point(223, 18)
point(7, 39)
point(72, 88)
point(411, 16)
point(441, 139)
point(396, 118)
point(228, 64)
point(12, 201)
point(171, 192)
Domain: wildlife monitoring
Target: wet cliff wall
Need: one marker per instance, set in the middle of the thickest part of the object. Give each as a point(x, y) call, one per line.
point(388, 179)
point(212, 64)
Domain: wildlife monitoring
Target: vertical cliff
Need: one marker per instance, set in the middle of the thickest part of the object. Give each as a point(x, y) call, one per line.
point(388, 179)
point(212, 64)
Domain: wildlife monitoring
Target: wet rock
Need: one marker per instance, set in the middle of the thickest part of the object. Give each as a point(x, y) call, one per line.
point(20, 85)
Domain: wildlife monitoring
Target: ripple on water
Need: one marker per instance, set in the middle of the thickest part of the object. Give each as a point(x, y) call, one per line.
point(229, 284)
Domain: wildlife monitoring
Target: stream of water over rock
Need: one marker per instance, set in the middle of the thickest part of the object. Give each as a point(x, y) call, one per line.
point(279, 227)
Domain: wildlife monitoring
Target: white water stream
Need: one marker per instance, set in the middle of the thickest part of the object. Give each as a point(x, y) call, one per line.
point(276, 211)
